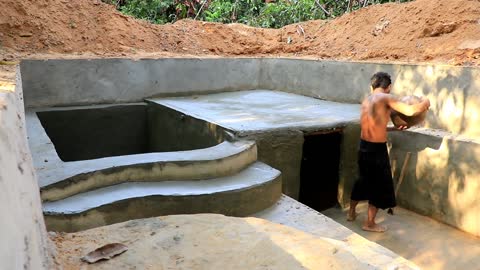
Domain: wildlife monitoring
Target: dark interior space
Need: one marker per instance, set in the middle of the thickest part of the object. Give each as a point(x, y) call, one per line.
point(319, 170)
point(81, 134)
point(127, 129)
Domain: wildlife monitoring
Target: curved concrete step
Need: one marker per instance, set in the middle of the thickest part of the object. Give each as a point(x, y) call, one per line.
point(249, 191)
point(69, 178)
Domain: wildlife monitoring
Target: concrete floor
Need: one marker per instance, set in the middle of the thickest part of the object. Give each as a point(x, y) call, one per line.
point(424, 241)
point(292, 213)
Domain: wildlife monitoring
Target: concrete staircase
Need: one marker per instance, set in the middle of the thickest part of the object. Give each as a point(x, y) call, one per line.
point(225, 179)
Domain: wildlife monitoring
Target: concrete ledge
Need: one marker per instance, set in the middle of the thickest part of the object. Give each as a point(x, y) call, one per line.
point(247, 192)
point(81, 176)
point(441, 177)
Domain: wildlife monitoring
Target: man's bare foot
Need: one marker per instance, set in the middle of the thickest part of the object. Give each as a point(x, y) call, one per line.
point(374, 228)
point(351, 216)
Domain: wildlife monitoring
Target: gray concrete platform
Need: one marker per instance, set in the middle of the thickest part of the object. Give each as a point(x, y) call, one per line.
point(422, 240)
point(292, 213)
point(255, 111)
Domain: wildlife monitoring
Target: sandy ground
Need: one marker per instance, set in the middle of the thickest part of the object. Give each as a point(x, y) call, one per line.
point(205, 241)
point(422, 31)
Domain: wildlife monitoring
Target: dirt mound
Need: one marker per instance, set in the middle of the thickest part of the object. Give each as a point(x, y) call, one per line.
point(90, 26)
point(419, 31)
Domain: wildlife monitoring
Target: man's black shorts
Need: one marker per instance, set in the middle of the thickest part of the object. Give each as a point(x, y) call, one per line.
point(375, 182)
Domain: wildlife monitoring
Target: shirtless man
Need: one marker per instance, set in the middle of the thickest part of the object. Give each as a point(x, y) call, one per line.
point(375, 183)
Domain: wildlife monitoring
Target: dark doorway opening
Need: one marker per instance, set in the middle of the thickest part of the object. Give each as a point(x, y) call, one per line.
point(319, 170)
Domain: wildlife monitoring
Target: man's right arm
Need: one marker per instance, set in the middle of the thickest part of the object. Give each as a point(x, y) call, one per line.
point(408, 110)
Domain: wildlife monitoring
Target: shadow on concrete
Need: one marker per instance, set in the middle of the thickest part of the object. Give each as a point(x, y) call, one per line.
point(429, 244)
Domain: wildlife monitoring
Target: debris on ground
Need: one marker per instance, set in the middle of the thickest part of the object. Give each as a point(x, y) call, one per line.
point(105, 252)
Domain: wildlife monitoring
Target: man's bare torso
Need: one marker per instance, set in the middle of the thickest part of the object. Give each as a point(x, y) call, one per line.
point(375, 114)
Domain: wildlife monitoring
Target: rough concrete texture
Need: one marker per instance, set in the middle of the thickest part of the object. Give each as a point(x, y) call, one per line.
point(283, 151)
point(429, 244)
point(95, 132)
point(58, 179)
point(170, 130)
point(211, 242)
point(348, 167)
point(440, 177)
point(23, 235)
point(249, 191)
point(292, 213)
point(125, 80)
point(452, 90)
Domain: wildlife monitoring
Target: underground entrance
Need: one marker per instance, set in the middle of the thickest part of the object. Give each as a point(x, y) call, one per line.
point(319, 170)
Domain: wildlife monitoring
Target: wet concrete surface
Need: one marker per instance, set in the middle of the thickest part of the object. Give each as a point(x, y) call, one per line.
point(263, 110)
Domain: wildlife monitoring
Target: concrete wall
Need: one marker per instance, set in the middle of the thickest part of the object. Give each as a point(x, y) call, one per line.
point(348, 167)
point(96, 132)
point(452, 90)
point(170, 130)
point(123, 80)
point(23, 235)
point(282, 151)
point(441, 176)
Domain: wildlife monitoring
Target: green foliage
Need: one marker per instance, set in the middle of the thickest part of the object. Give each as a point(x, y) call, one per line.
point(155, 11)
point(251, 12)
point(261, 14)
point(220, 12)
point(276, 15)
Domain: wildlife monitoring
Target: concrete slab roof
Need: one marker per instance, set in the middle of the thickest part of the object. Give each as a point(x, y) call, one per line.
point(263, 110)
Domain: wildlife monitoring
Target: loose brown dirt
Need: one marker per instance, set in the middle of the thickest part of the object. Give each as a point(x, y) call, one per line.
point(419, 31)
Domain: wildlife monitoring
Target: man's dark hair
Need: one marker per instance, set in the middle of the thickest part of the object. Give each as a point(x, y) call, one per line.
point(380, 80)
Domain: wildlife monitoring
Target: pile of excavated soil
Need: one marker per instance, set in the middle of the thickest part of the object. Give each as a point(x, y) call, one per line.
point(419, 31)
